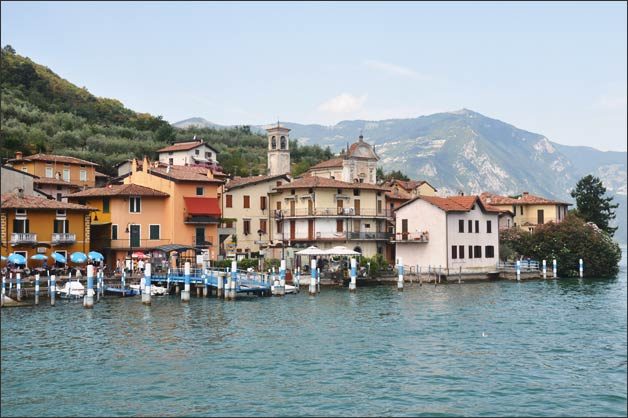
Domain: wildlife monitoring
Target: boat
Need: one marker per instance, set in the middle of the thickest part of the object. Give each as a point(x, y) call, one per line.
point(117, 291)
point(287, 289)
point(154, 290)
point(72, 290)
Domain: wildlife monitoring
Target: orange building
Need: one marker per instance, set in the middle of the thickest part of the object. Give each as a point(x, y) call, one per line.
point(35, 225)
point(72, 170)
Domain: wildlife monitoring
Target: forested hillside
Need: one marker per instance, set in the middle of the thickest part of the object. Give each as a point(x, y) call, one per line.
point(42, 112)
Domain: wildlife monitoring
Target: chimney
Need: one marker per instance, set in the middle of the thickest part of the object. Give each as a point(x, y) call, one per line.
point(133, 165)
point(525, 194)
point(20, 192)
point(145, 165)
point(18, 155)
point(461, 193)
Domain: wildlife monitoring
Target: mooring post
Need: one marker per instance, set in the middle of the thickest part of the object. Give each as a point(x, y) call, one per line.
point(146, 293)
point(97, 286)
point(185, 294)
point(318, 280)
point(123, 282)
point(353, 283)
point(18, 286)
point(53, 289)
point(37, 289)
point(312, 289)
point(554, 267)
point(168, 280)
point(4, 284)
point(460, 275)
point(88, 301)
point(581, 269)
point(220, 281)
point(282, 278)
point(205, 284)
point(420, 279)
point(518, 270)
point(400, 273)
point(544, 269)
point(234, 280)
point(440, 269)
point(297, 283)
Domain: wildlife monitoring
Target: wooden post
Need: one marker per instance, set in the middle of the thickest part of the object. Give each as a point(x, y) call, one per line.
point(318, 280)
point(460, 275)
point(88, 301)
point(146, 293)
point(185, 294)
point(98, 288)
point(282, 278)
point(123, 282)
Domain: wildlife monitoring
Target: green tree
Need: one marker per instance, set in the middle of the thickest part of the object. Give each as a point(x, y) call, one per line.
point(593, 205)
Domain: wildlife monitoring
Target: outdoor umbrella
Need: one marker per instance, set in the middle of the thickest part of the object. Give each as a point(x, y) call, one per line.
point(340, 250)
point(59, 258)
point(16, 259)
point(40, 257)
point(311, 251)
point(96, 256)
point(78, 257)
point(138, 254)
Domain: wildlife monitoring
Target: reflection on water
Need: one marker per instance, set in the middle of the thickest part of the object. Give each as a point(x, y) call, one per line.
point(502, 348)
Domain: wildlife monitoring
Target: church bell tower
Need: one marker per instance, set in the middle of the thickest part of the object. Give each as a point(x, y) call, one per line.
point(278, 150)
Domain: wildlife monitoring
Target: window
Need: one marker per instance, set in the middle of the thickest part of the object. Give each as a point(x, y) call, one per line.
point(470, 225)
point(21, 226)
point(262, 225)
point(135, 204)
point(367, 226)
point(461, 225)
point(262, 202)
point(154, 231)
point(488, 227)
point(66, 174)
point(461, 251)
point(470, 251)
point(278, 183)
point(61, 226)
point(170, 161)
point(540, 216)
point(229, 224)
point(208, 155)
point(279, 227)
point(61, 213)
point(171, 153)
point(273, 142)
point(279, 205)
point(489, 251)
point(340, 224)
point(247, 226)
point(247, 202)
point(200, 235)
point(379, 206)
point(477, 227)
point(228, 201)
point(199, 191)
point(477, 251)
point(114, 231)
point(59, 197)
point(59, 187)
point(197, 152)
point(49, 172)
point(454, 252)
point(105, 205)
point(356, 192)
point(283, 143)
point(20, 212)
point(404, 228)
point(83, 175)
point(521, 210)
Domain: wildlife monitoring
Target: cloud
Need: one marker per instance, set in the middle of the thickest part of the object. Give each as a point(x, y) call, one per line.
point(611, 102)
point(394, 69)
point(343, 103)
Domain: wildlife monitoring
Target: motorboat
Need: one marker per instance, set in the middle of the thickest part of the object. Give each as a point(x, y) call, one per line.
point(72, 290)
point(287, 289)
point(118, 291)
point(154, 290)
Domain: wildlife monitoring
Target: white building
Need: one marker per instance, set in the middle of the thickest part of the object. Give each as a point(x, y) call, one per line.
point(456, 232)
point(357, 164)
point(278, 150)
point(188, 153)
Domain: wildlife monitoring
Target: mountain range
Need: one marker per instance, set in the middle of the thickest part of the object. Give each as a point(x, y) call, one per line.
point(465, 151)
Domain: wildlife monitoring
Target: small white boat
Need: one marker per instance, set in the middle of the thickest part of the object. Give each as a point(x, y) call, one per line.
point(287, 289)
point(72, 290)
point(154, 290)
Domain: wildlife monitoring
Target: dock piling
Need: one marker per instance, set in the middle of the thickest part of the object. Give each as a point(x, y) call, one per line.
point(185, 294)
point(146, 293)
point(581, 269)
point(282, 278)
point(518, 270)
point(4, 284)
point(18, 286)
point(554, 267)
point(400, 277)
point(53, 289)
point(88, 301)
point(353, 284)
point(545, 269)
point(37, 289)
point(312, 289)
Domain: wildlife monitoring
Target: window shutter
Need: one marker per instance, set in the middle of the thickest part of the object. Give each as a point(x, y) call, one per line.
point(55, 228)
point(67, 226)
point(26, 228)
point(16, 226)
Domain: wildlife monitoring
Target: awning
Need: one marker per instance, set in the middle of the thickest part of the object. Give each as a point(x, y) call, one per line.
point(202, 206)
point(167, 248)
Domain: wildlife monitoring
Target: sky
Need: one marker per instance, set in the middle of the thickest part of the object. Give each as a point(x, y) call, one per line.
point(557, 69)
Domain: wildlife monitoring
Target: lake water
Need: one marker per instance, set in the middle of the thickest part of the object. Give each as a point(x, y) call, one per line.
point(542, 348)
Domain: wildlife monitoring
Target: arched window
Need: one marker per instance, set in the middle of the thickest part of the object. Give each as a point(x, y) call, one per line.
point(283, 143)
point(273, 142)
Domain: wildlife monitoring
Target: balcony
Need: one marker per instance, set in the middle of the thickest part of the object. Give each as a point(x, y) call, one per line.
point(201, 220)
point(63, 238)
point(20, 238)
point(378, 236)
point(334, 212)
point(226, 231)
point(412, 238)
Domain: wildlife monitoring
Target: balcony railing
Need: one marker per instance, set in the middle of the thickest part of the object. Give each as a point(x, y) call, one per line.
point(202, 220)
point(18, 238)
point(125, 244)
point(63, 238)
point(335, 212)
point(414, 237)
point(370, 235)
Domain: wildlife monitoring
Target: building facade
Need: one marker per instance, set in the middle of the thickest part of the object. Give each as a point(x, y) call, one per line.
point(34, 225)
point(79, 172)
point(456, 233)
point(188, 153)
point(358, 163)
point(278, 150)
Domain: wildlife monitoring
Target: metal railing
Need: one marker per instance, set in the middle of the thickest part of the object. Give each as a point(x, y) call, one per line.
point(369, 235)
point(63, 238)
point(417, 237)
point(23, 238)
point(526, 265)
point(343, 212)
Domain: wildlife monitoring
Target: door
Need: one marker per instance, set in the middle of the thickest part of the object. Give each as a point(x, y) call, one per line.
point(292, 230)
point(310, 229)
point(200, 236)
point(356, 205)
point(540, 216)
point(404, 229)
point(339, 205)
point(310, 206)
point(292, 203)
point(135, 235)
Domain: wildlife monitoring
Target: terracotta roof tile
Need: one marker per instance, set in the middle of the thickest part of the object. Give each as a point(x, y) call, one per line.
point(524, 199)
point(185, 173)
point(334, 162)
point(454, 203)
point(14, 201)
point(120, 190)
point(55, 182)
point(184, 146)
point(54, 158)
point(315, 181)
point(245, 181)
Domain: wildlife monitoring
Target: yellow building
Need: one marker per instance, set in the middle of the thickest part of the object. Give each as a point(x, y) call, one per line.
point(527, 210)
point(128, 218)
point(34, 225)
point(71, 170)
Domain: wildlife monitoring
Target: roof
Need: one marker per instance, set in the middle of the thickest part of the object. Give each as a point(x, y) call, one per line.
point(120, 190)
point(398, 193)
point(99, 174)
point(247, 181)
point(202, 206)
point(185, 146)
point(334, 162)
point(315, 181)
point(54, 158)
point(14, 201)
point(525, 199)
point(453, 203)
point(184, 173)
point(172, 247)
point(55, 182)
point(8, 167)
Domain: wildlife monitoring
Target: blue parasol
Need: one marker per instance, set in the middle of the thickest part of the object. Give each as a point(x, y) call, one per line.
point(16, 259)
point(78, 257)
point(96, 256)
point(40, 257)
point(58, 258)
